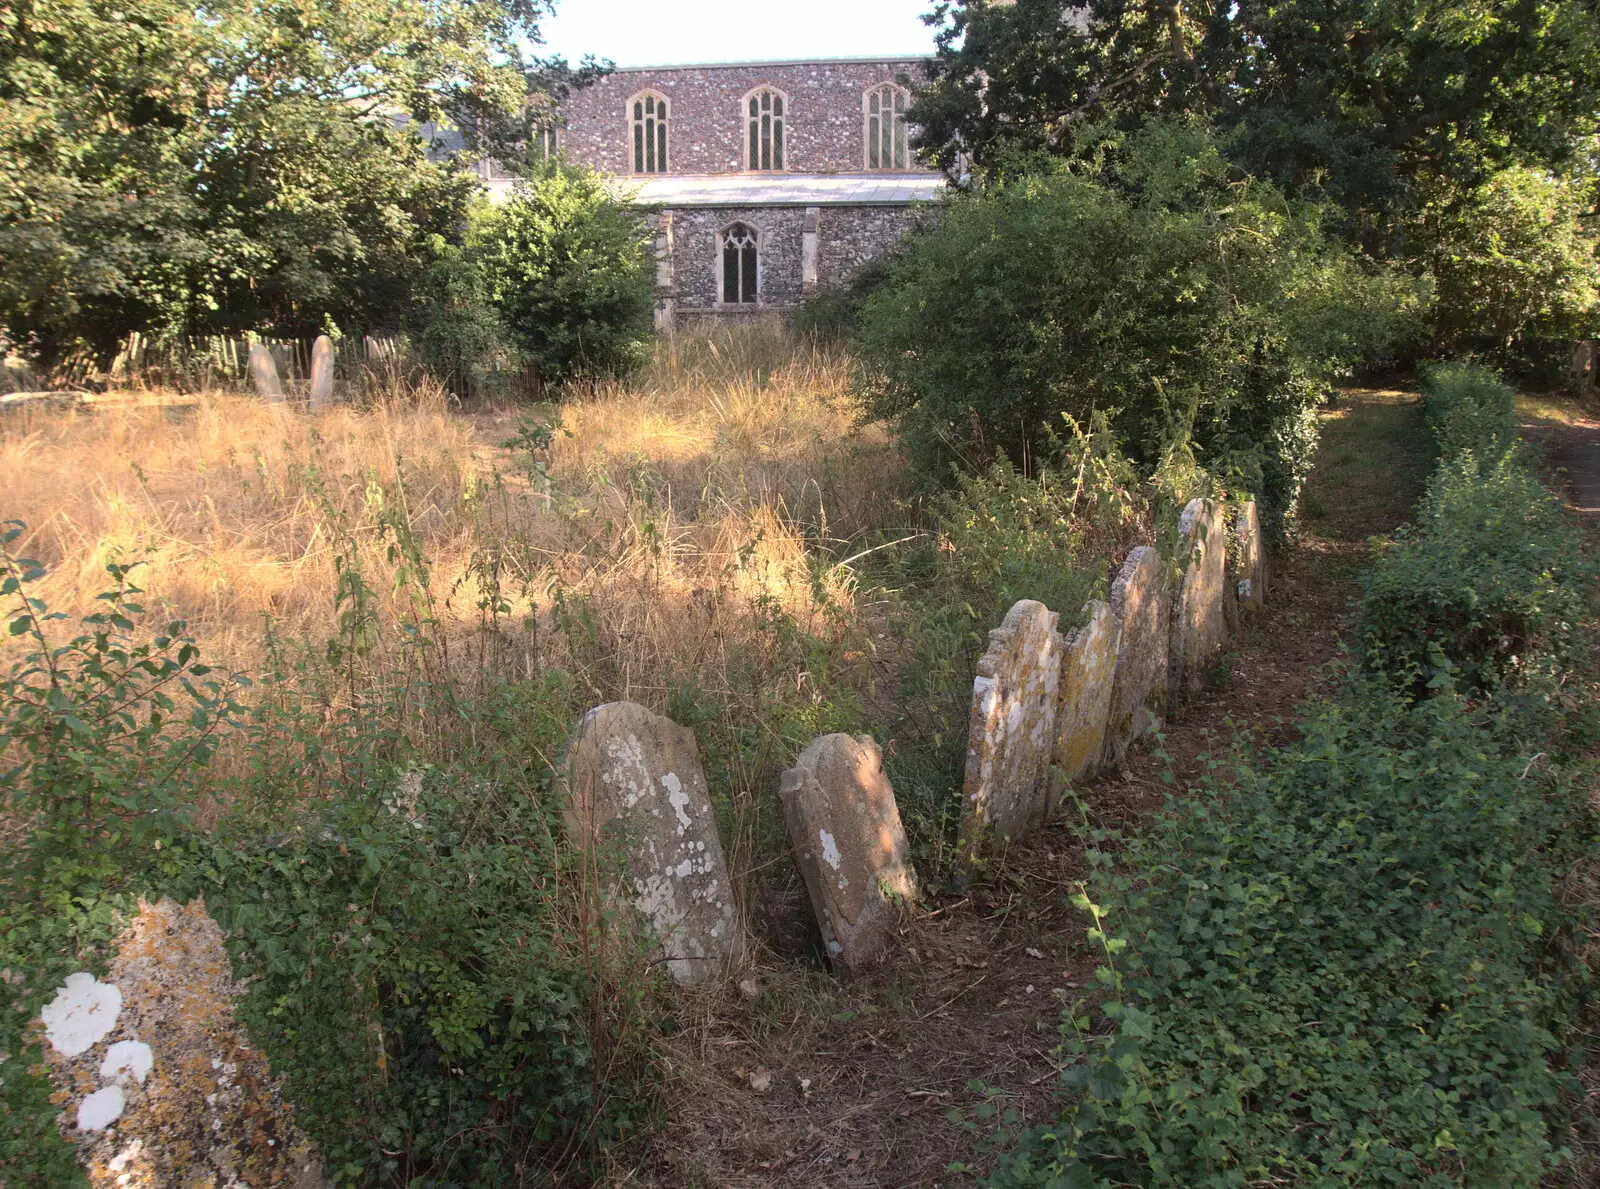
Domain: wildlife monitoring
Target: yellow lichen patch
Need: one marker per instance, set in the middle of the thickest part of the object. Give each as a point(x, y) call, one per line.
point(208, 1113)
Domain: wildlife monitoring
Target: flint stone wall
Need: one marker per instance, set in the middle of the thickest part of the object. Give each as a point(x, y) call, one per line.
point(1012, 731)
point(160, 1087)
point(851, 848)
point(633, 782)
point(1138, 691)
point(707, 128)
point(1200, 617)
point(847, 238)
point(1088, 670)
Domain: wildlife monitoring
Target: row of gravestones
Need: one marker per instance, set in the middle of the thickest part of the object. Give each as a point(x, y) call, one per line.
point(264, 373)
point(1047, 710)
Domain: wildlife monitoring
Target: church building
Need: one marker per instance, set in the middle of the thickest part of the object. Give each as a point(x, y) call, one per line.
point(766, 180)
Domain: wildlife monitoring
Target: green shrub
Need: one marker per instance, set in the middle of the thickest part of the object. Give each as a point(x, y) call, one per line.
point(567, 268)
point(1513, 263)
point(1154, 286)
point(415, 976)
point(1469, 408)
point(1491, 575)
point(1344, 969)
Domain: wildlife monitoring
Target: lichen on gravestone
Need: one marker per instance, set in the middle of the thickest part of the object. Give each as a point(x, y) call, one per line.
point(1248, 558)
point(636, 797)
point(1199, 614)
point(1088, 672)
point(850, 845)
point(1139, 690)
point(160, 1086)
point(1011, 733)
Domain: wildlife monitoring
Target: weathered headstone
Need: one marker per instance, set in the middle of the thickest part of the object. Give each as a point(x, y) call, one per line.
point(1200, 616)
point(159, 1084)
point(1088, 670)
point(321, 390)
point(1250, 558)
point(1012, 731)
point(633, 781)
point(845, 828)
point(264, 372)
point(1139, 690)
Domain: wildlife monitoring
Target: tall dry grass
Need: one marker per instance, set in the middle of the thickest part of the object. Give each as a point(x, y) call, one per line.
point(716, 471)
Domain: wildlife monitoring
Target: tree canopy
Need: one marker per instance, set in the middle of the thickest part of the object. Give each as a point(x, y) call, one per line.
point(251, 164)
point(1355, 96)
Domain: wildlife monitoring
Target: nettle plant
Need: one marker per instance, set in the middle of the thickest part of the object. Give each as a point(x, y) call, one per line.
point(101, 736)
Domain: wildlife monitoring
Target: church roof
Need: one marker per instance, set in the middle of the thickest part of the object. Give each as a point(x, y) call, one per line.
point(773, 189)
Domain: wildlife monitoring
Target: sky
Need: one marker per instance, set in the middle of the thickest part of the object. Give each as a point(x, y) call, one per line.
point(660, 32)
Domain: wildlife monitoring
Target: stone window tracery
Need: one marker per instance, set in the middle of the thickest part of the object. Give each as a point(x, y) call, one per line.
point(765, 120)
point(741, 265)
point(649, 121)
point(885, 117)
point(545, 141)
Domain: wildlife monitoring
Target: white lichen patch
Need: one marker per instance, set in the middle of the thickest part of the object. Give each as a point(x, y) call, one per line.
point(101, 1109)
point(127, 1059)
point(82, 1013)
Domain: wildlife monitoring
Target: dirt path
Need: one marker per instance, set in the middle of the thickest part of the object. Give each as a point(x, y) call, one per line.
point(919, 1074)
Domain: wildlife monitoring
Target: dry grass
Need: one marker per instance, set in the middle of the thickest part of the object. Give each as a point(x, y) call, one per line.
point(716, 472)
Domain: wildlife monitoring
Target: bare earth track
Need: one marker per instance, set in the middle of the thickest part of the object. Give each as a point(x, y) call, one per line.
point(798, 1080)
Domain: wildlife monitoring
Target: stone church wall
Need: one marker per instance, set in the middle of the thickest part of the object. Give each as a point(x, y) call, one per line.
point(848, 237)
point(706, 129)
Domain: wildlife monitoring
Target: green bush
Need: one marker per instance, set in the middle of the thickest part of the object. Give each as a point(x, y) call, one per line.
point(1490, 577)
point(1513, 263)
point(1469, 408)
point(1347, 968)
point(1154, 286)
point(414, 976)
point(567, 268)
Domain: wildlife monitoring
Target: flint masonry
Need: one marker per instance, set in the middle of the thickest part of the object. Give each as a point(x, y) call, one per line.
point(766, 180)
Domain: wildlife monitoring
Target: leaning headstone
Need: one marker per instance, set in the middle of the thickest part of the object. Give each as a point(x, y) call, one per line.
point(634, 782)
point(1088, 670)
point(1012, 731)
point(321, 390)
point(1250, 558)
point(264, 372)
point(158, 1082)
point(1139, 690)
point(1200, 616)
point(851, 847)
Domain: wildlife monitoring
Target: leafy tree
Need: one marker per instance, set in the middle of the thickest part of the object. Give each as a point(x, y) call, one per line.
point(1358, 96)
point(238, 167)
point(1513, 262)
point(567, 268)
point(1155, 287)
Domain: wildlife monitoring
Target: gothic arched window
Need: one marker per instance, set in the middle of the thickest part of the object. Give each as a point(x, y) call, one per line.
point(649, 112)
point(741, 268)
point(885, 112)
point(764, 120)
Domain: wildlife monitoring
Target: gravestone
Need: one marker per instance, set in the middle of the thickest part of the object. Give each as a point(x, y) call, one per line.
point(264, 373)
point(1088, 670)
point(1200, 615)
point(1012, 730)
point(1250, 558)
point(158, 1084)
point(634, 783)
point(321, 390)
point(1139, 690)
point(851, 848)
